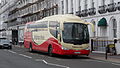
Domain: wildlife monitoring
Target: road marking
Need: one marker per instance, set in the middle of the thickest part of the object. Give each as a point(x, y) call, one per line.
point(11, 51)
point(38, 60)
point(116, 64)
point(49, 57)
point(45, 61)
point(100, 61)
point(52, 63)
point(25, 56)
point(58, 59)
point(58, 65)
point(88, 60)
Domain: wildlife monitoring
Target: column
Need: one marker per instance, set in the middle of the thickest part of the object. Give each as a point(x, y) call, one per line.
point(69, 6)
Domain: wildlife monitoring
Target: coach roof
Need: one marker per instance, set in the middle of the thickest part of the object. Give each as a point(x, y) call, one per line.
point(66, 17)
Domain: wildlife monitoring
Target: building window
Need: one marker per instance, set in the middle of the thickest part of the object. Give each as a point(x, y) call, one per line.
point(103, 31)
point(103, 2)
point(62, 3)
point(72, 5)
point(114, 28)
point(111, 1)
point(66, 6)
point(79, 5)
point(92, 4)
point(94, 32)
point(85, 3)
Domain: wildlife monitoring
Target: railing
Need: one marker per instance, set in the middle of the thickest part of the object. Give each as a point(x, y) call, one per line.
point(84, 13)
point(118, 6)
point(111, 7)
point(92, 11)
point(100, 44)
point(78, 13)
point(102, 9)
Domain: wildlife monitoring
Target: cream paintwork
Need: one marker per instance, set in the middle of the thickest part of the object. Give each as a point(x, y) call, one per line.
point(61, 19)
point(40, 36)
point(75, 47)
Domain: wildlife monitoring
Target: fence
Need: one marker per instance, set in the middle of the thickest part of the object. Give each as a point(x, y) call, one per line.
point(100, 44)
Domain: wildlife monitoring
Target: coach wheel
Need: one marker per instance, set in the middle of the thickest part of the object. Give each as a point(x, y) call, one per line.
point(74, 56)
point(50, 51)
point(87, 55)
point(30, 48)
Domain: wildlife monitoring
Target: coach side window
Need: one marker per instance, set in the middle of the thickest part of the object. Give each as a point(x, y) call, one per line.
point(54, 26)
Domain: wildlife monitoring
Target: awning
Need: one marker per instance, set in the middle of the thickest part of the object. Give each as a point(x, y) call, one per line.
point(102, 22)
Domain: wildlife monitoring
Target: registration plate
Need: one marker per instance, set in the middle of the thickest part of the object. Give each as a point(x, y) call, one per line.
point(77, 52)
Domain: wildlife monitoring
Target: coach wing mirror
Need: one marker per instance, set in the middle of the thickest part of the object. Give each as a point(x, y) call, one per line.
point(88, 23)
point(58, 34)
point(59, 37)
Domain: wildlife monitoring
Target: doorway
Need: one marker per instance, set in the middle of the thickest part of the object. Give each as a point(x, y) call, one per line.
point(14, 37)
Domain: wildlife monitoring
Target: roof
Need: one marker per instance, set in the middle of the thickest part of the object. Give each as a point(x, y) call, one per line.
point(66, 17)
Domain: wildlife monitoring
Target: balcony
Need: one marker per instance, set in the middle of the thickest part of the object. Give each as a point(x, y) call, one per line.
point(84, 13)
point(24, 5)
point(111, 7)
point(92, 11)
point(78, 13)
point(102, 9)
point(118, 6)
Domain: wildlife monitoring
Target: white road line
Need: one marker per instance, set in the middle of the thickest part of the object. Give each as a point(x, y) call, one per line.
point(25, 56)
point(52, 63)
point(88, 60)
point(38, 60)
point(11, 51)
point(116, 64)
point(45, 61)
point(58, 65)
point(101, 61)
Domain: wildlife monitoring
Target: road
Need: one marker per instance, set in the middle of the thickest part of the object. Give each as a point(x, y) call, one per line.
point(20, 57)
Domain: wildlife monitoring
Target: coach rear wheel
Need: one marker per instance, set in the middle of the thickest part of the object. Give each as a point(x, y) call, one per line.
point(30, 48)
point(50, 51)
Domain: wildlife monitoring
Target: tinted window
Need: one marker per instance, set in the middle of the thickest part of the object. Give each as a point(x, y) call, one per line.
point(75, 33)
point(54, 25)
point(38, 25)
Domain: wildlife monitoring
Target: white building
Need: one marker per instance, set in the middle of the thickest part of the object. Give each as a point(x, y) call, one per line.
point(16, 13)
point(3, 17)
point(104, 14)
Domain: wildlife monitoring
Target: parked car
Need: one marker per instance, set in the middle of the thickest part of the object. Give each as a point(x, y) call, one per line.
point(5, 43)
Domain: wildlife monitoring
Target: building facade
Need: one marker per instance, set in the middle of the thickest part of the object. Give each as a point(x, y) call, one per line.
point(18, 12)
point(3, 14)
point(105, 16)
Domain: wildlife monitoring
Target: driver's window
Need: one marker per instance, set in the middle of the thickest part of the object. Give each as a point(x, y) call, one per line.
point(54, 27)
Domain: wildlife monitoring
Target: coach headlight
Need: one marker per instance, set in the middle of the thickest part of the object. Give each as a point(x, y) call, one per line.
point(64, 48)
point(87, 49)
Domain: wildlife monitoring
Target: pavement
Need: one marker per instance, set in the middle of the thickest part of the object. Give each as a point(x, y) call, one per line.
point(101, 56)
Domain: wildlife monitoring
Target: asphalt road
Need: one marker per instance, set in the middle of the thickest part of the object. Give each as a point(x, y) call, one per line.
point(21, 58)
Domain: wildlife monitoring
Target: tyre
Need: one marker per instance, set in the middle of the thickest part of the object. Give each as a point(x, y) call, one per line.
point(50, 49)
point(30, 48)
point(74, 56)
